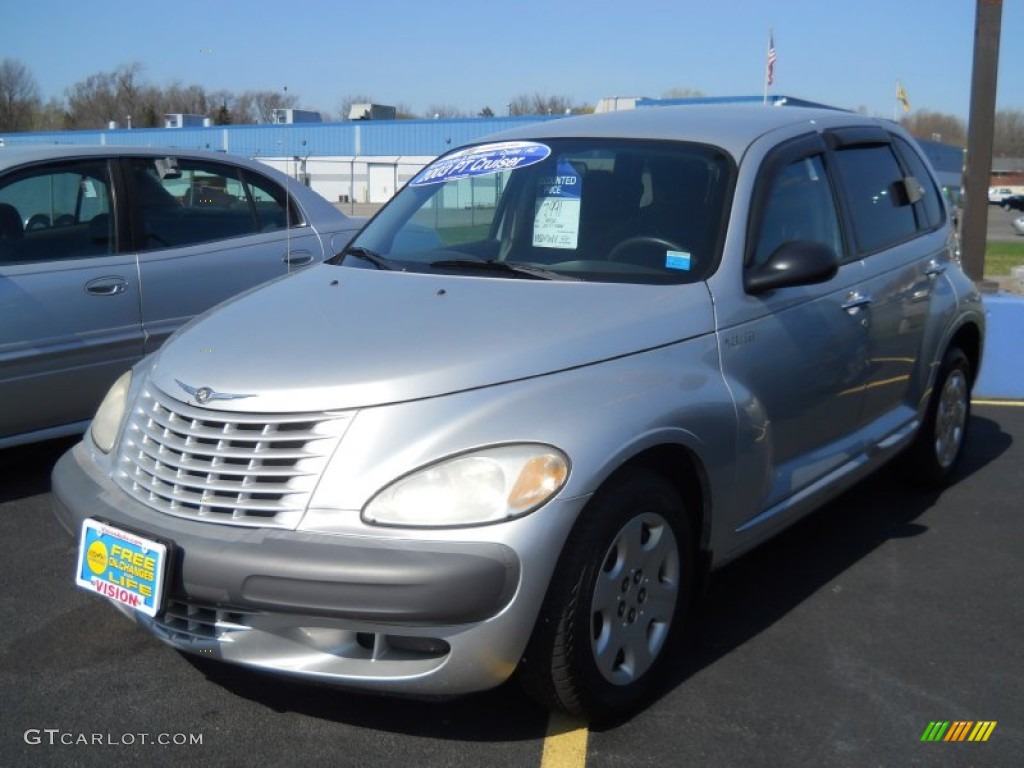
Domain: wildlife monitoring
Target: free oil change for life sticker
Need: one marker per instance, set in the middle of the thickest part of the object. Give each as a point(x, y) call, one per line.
point(482, 161)
point(556, 219)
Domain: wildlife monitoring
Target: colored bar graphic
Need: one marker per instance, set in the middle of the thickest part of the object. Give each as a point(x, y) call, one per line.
point(959, 730)
point(982, 730)
point(935, 730)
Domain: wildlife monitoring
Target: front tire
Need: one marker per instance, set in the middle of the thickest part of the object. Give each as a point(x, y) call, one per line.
point(939, 446)
point(618, 595)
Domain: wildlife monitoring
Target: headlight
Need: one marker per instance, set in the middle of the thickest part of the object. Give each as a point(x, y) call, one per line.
point(107, 422)
point(486, 486)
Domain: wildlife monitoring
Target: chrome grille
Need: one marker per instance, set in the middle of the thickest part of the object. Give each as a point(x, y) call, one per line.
point(225, 467)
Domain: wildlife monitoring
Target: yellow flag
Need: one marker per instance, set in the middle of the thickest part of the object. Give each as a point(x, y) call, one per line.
point(901, 97)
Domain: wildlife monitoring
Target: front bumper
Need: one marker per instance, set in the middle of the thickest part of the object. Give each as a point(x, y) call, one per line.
point(423, 617)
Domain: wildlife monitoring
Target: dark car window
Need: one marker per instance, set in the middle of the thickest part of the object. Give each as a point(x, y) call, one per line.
point(930, 206)
point(182, 202)
point(57, 211)
point(799, 206)
point(872, 180)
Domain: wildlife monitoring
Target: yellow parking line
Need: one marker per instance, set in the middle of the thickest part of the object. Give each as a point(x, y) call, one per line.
point(1007, 403)
point(565, 745)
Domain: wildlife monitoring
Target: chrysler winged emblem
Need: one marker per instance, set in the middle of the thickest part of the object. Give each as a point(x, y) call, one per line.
point(203, 395)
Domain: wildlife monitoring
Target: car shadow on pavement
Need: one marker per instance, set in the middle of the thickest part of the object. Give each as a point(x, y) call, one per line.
point(25, 469)
point(748, 596)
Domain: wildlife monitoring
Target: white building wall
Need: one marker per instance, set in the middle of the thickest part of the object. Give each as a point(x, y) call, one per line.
point(362, 179)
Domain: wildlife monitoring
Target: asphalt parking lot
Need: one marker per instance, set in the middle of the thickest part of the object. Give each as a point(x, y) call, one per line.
point(835, 644)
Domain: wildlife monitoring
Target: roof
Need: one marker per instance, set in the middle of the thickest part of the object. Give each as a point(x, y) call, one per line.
point(732, 127)
point(28, 153)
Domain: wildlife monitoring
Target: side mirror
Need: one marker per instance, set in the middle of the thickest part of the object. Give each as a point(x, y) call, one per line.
point(798, 262)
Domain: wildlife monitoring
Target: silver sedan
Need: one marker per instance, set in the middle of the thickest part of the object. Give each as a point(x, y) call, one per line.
point(105, 251)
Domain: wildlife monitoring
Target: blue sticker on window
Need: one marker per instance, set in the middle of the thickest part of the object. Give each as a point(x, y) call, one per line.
point(482, 161)
point(677, 260)
point(566, 183)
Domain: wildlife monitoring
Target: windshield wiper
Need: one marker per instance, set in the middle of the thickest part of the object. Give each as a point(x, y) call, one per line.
point(366, 255)
point(507, 267)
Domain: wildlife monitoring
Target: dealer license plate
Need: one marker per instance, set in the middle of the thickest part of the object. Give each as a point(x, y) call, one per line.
point(122, 566)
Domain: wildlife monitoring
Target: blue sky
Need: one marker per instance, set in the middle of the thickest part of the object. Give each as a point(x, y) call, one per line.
point(472, 54)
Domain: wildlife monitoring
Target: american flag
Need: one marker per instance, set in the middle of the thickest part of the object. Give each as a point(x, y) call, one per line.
point(771, 58)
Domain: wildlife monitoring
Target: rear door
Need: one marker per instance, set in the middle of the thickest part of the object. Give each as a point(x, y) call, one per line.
point(897, 218)
point(206, 231)
point(69, 296)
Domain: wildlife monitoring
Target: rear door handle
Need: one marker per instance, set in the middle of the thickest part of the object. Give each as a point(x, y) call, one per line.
point(298, 258)
point(106, 286)
point(854, 301)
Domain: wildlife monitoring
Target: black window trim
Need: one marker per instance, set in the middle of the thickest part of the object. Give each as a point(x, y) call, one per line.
point(799, 148)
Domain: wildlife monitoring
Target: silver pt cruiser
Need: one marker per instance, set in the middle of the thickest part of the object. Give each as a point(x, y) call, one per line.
point(558, 377)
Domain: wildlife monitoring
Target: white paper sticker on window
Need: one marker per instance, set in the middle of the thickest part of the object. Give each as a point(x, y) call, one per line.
point(556, 219)
point(88, 188)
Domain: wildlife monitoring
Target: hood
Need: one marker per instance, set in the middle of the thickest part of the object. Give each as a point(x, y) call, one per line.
point(333, 338)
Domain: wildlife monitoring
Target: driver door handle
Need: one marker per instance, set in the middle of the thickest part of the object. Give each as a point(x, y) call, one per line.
point(298, 258)
point(106, 286)
point(855, 300)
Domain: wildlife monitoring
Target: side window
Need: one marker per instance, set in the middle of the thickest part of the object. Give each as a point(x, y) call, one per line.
point(873, 182)
point(799, 207)
point(60, 211)
point(930, 206)
point(184, 202)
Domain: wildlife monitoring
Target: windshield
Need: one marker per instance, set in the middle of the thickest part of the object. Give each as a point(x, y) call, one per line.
point(583, 209)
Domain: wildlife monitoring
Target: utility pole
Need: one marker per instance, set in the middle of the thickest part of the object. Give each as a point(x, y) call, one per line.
point(981, 125)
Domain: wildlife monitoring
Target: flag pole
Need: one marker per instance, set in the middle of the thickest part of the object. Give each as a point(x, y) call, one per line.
point(769, 65)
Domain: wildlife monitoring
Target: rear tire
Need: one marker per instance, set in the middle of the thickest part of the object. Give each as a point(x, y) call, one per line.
point(618, 595)
point(936, 452)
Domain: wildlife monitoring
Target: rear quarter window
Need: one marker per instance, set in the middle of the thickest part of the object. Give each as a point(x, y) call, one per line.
point(930, 207)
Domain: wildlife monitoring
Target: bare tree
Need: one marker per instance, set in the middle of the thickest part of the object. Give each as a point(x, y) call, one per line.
point(189, 100)
point(265, 102)
point(19, 96)
point(105, 96)
point(1008, 140)
point(540, 104)
point(345, 105)
point(93, 101)
point(51, 116)
point(404, 112)
point(937, 126)
point(445, 111)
